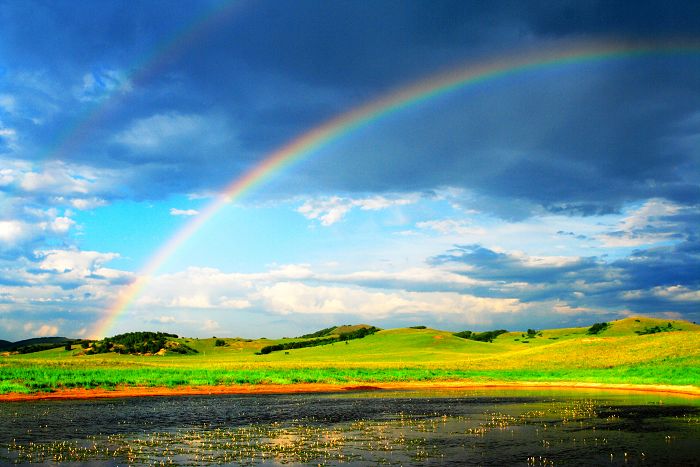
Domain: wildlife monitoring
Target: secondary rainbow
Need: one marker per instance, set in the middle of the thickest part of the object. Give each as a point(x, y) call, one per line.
point(166, 52)
point(436, 85)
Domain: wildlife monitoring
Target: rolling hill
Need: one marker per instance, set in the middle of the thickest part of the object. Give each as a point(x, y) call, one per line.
point(35, 344)
point(632, 350)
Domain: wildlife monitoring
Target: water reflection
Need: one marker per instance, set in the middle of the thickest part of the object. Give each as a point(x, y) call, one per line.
point(484, 427)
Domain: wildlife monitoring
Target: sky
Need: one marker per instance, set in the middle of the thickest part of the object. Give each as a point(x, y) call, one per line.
point(555, 195)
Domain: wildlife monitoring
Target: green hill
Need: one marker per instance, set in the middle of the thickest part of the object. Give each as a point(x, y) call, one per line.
point(36, 344)
point(140, 343)
point(621, 352)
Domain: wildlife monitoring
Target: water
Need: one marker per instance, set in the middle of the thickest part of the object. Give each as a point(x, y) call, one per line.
point(478, 427)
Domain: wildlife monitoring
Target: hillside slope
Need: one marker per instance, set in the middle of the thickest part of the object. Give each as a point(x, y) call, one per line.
point(621, 353)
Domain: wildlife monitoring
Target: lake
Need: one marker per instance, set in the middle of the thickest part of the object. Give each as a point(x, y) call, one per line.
point(450, 427)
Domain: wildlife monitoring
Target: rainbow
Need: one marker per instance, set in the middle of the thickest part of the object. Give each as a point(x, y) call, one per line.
point(309, 142)
point(166, 52)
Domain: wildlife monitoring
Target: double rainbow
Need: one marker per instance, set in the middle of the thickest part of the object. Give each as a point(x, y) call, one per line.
point(436, 85)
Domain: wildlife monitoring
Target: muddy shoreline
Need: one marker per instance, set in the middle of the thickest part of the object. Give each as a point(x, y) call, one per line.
point(301, 388)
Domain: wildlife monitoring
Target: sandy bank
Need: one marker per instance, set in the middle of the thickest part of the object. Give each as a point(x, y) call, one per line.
point(690, 391)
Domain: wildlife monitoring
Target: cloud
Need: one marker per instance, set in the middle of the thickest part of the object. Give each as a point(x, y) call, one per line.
point(183, 212)
point(13, 231)
point(210, 325)
point(69, 289)
point(660, 278)
point(297, 289)
point(85, 203)
point(41, 330)
point(569, 147)
point(38, 202)
point(539, 146)
point(102, 84)
point(8, 103)
point(451, 226)
point(677, 293)
point(332, 209)
point(8, 139)
point(79, 263)
point(559, 140)
point(651, 223)
point(46, 330)
point(165, 319)
point(58, 178)
point(164, 132)
point(289, 297)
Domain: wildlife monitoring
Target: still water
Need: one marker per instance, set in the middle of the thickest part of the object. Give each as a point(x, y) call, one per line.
point(476, 427)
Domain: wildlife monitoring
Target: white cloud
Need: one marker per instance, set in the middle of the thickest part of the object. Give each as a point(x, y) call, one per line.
point(183, 212)
point(165, 319)
point(409, 277)
point(645, 225)
point(41, 330)
point(210, 325)
point(46, 330)
point(79, 264)
point(59, 280)
point(66, 181)
point(564, 308)
point(61, 224)
point(331, 210)
point(10, 137)
point(296, 297)
point(13, 231)
point(451, 226)
point(677, 293)
point(552, 261)
point(31, 225)
point(198, 288)
point(237, 304)
point(7, 176)
point(87, 203)
point(297, 289)
point(167, 130)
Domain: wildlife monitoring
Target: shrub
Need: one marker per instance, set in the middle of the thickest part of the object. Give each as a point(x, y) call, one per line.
point(486, 336)
point(358, 334)
point(321, 333)
point(133, 342)
point(464, 334)
point(597, 328)
point(220, 343)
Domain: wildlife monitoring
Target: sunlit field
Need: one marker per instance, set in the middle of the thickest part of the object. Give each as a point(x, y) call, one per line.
point(616, 355)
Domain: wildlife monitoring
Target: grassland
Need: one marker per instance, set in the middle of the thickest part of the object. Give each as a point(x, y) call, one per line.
point(618, 355)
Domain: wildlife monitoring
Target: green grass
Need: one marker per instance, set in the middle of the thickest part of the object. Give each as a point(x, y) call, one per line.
point(616, 355)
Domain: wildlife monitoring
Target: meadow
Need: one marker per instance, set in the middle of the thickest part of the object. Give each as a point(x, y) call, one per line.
point(625, 352)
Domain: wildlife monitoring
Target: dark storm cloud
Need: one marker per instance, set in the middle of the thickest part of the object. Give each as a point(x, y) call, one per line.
point(580, 140)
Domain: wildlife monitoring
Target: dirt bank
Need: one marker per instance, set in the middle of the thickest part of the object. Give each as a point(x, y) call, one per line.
point(690, 391)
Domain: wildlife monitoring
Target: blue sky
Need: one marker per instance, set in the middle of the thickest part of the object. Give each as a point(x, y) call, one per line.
point(560, 196)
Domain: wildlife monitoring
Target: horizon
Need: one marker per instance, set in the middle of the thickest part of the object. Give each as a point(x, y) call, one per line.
point(421, 327)
point(554, 196)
